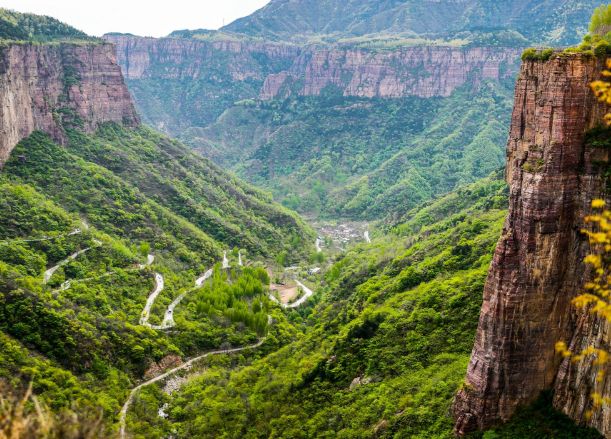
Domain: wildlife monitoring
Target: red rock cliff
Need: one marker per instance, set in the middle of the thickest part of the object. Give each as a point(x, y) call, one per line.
point(538, 265)
point(173, 58)
point(42, 86)
point(415, 71)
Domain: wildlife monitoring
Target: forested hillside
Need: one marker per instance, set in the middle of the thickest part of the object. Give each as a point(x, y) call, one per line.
point(92, 230)
point(362, 158)
point(107, 230)
point(30, 27)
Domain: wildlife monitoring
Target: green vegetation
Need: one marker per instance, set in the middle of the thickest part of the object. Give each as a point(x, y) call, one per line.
point(540, 420)
point(39, 28)
point(142, 186)
point(401, 314)
point(328, 22)
point(600, 23)
point(243, 301)
point(177, 106)
point(338, 156)
point(111, 199)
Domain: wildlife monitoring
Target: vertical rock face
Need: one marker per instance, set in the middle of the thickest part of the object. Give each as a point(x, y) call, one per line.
point(173, 58)
point(538, 265)
point(43, 87)
point(416, 71)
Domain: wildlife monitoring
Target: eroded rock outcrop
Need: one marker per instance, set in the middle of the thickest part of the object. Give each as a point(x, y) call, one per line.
point(44, 86)
point(538, 265)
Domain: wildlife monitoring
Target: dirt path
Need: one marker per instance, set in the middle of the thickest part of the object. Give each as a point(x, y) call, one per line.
point(318, 249)
point(168, 317)
point(367, 237)
point(307, 293)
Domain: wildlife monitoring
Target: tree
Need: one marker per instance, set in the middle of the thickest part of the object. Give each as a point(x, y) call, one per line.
point(145, 247)
point(601, 20)
point(282, 258)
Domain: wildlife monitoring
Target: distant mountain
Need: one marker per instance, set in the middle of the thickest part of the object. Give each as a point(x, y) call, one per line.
point(550, 21)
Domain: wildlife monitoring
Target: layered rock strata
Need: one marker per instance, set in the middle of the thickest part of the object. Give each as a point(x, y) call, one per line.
point(415, 71)
point(173, 58)
point(43, 87)
point(538, 264)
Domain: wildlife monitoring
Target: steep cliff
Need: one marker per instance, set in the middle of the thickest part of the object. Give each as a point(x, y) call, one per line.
point(180, 83)
point(172, 58)
point(46, 87)
point(538, 265)
point(414, 71)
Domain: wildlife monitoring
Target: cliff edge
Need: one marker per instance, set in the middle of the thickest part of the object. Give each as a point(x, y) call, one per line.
point(537, 269)
point(52, 86)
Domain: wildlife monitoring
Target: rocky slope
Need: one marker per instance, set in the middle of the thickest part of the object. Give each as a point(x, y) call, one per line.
point(43, 87)
point(416, 71)
point(538, 265)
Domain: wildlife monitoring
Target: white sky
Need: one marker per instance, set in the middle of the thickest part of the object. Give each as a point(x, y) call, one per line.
point(154, 18)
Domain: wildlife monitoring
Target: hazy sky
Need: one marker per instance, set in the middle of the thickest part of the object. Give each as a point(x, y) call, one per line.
point(154, 18)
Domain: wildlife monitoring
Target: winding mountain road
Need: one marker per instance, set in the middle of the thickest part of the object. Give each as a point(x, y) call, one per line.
point(19, 241)
point(47, 274)
point(168, 322)
point(186, 365)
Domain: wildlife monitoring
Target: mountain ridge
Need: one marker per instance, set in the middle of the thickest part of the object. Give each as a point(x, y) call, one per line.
point(446, 19)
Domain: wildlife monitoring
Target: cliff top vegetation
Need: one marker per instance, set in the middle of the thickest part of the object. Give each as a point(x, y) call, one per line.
point(37, 28)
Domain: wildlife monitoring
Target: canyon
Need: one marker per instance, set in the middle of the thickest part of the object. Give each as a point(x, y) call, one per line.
point(43, 87)
point(194, 71)
point(553, 173)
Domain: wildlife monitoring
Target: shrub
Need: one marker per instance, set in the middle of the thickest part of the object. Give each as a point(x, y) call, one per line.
point(585, 46)
point(587, 39)
point(602, 48)
point(547, 54)
point(589, 54)
point(530, 55)
point(573, 50)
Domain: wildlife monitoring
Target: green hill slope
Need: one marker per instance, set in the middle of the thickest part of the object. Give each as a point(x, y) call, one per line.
point(30, 27)
point(361, 158)
point(77, 224)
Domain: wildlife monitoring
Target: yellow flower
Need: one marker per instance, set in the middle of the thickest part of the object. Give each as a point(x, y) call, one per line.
point(597, 204)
